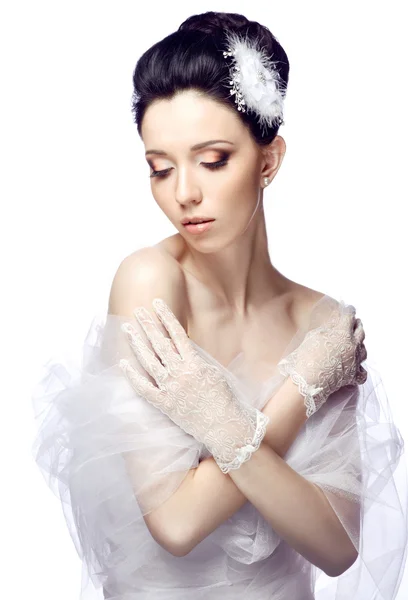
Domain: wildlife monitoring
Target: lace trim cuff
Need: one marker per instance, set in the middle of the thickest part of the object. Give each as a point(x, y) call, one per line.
point(245, 452)
point(312, 394)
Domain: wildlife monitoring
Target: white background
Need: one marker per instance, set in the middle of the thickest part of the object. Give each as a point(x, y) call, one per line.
point(75, 200)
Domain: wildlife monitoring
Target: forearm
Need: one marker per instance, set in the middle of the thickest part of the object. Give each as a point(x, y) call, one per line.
point(296, 509)
point(207, 497)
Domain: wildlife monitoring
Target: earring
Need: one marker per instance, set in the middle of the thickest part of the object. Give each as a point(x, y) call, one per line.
point(267, 181)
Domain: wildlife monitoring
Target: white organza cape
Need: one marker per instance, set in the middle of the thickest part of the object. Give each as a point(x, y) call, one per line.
point(90, 420)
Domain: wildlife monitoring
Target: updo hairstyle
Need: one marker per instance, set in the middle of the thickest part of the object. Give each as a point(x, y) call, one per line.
point(192, 58)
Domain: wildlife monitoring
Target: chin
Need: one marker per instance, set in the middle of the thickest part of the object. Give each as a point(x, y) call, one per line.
point(210, 244)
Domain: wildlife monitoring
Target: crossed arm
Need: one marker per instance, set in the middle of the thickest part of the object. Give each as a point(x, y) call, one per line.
point(297, 509)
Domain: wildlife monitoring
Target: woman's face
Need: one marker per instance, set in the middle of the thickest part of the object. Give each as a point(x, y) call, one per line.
point(184, 183)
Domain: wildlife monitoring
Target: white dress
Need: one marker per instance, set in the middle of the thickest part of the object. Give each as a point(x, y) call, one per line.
point(89, 419)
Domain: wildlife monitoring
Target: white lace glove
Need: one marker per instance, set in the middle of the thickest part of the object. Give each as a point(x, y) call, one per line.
point(192, 392)
point(328, 358)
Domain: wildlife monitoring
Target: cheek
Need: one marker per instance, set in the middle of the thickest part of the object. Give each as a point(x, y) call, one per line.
point(245, 177)
point(162, 202)
point(243, 190)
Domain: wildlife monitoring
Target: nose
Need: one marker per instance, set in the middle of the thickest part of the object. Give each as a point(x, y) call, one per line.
point(187, 190)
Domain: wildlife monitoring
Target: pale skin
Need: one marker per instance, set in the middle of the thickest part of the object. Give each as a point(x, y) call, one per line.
point(223, 288)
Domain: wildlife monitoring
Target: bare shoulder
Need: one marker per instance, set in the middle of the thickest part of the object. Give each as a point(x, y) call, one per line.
point(146, 274)
point(304, 300)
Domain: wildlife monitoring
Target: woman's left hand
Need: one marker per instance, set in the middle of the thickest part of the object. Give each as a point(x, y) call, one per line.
point(192, 392)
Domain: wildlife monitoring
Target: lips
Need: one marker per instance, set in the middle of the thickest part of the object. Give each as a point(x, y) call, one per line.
point(198, 228)
point(195, 220)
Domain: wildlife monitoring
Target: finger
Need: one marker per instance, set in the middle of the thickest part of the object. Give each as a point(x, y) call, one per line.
point(140, 384)
point(146, 357)
point(361, 376)
point(158, 341)
point(363, 353)
point(347, 316)
point(351, 314)
point(359, 332)
point(173, 326)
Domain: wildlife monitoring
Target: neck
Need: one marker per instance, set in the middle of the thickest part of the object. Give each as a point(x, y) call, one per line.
point(241, 275)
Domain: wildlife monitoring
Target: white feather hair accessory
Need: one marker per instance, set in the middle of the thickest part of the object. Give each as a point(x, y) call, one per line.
point(255, 82)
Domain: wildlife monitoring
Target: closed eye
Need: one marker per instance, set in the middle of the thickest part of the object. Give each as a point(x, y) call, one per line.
point(208, 165)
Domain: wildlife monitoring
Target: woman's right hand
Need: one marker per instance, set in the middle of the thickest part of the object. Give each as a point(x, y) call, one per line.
point(329, 358)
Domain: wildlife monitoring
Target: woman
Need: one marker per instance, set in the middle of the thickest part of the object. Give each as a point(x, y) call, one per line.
point(221, 436)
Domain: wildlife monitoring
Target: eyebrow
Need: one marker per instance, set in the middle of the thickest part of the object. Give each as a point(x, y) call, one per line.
point(196, 147)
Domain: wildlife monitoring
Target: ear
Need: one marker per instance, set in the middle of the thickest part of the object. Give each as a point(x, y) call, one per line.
point(273, 155)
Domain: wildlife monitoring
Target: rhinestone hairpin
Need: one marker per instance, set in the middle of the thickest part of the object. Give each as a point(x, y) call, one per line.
point(250, 66)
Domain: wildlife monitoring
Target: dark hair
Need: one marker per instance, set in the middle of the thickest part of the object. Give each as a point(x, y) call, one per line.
point(191, 58)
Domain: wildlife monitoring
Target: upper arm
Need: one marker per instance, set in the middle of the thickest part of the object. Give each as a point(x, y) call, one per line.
point(142, 276)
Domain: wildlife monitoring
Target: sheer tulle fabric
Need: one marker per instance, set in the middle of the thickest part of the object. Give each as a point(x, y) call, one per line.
point(111, 457)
